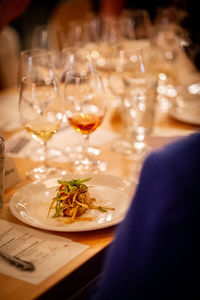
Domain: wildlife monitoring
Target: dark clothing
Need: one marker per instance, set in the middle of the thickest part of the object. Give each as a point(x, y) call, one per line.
point(155, 254)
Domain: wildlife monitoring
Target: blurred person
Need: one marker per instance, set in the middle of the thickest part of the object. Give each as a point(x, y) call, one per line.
point(9, 41)
point(18, 18)
point(9, 55)
point(36, 14)
point(155, 253)
point(10, 10)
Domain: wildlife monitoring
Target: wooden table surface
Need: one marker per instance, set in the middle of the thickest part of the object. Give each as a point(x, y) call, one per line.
point(118, 165)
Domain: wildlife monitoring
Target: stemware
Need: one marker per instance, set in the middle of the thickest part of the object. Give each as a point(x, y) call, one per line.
point(57, 61)
point(116, 29)
point(137, 90)
point(40, 38)
point(165, 59)
point(51, 39)
point(40, 107)
point(81, 32)
point(48, 38)
point(142, 26)
point(85, 110)
point(79, 61)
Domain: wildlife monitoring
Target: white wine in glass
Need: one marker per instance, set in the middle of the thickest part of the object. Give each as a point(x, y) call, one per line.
point(34, 63)
point(41, 109)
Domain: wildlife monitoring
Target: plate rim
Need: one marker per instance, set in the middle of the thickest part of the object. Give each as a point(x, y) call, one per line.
point(184, 117)
point(132, 183)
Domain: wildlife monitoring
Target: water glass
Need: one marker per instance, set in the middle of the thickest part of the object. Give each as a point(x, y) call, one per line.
point(138, 107)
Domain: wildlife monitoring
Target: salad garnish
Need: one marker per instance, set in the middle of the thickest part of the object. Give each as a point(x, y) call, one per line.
point(72, 200)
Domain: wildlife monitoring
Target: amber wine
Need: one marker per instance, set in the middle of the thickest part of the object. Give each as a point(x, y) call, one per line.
point(42, 131)
point(85, 123)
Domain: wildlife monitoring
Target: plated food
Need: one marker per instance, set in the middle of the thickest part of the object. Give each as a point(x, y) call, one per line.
point(72, 200)
point(110, 197)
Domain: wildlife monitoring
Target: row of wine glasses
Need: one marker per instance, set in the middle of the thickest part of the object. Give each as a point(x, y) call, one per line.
point(84, 103)
point(72, 75)
point(109, 29)
point(42, 108)
point(131, 83)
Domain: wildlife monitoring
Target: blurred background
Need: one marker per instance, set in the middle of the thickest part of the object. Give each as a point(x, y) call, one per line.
point(22, 21)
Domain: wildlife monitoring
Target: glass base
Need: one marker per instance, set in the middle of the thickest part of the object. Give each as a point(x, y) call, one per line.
point(122, 146)
point(135, 151)
point(42, 172)
point(88, 165)
point(53, 154)
point(76, 152)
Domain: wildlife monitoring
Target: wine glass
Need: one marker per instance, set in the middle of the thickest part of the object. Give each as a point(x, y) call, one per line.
point(40, 107)
point(81, 32)
point(85, 105)
point(142, 26)
point(51, 39)
point(116, 29)
point(78, 60)
point(48, 38)
point(137, 90)
point(166, 57)
point(26, 69)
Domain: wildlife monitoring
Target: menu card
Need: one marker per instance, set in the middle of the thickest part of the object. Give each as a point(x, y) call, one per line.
point(32, 255)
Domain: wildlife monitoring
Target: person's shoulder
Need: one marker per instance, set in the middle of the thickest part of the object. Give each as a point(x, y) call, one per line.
point(181, 145)
point(183, 149)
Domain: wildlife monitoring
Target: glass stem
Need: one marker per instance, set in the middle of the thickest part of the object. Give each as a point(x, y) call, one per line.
point(139, 143)
point(45, 163)
point(85, 145)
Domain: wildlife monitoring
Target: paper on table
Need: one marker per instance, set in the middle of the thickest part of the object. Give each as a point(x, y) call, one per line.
point(60, 141)
point(47, 252)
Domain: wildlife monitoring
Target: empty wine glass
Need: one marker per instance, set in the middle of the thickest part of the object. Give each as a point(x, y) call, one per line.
point(48, 38)
point(85, 105)
point(40, 39)
point(137, 90)
point(80, 32)
point(51, 39)
point(166, 57)
point(40, 107)
point(116, 29)
point(142, 26)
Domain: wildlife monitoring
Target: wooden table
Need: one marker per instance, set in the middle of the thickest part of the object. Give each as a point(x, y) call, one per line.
point(89, 261)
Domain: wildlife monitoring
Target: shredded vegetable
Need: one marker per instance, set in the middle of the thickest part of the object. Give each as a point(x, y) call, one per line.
point(72, 200)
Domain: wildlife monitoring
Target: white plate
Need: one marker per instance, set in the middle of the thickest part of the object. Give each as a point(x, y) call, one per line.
point(30, 204)
point(185, 117)
point(189, 112)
